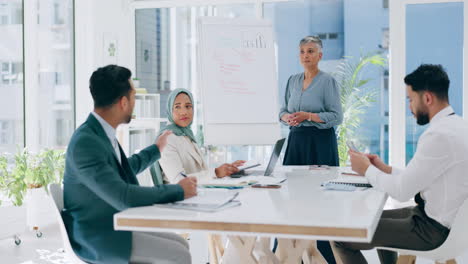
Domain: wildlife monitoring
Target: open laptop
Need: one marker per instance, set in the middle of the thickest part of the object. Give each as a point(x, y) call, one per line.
point(271, 165)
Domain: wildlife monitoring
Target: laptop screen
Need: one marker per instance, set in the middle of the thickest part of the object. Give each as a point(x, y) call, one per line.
point(274, 156)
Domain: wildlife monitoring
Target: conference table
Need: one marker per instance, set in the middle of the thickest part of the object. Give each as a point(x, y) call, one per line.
point(297, 213)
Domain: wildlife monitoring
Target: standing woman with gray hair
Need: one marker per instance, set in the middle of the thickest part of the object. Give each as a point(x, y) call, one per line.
point(311, 109)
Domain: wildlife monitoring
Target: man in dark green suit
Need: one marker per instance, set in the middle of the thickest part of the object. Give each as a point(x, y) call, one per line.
point(100, 181)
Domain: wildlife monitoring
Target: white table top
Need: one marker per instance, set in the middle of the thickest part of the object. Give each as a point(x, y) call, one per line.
point(300, 209)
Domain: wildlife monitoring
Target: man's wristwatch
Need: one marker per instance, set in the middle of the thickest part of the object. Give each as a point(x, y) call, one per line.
point(310, 117)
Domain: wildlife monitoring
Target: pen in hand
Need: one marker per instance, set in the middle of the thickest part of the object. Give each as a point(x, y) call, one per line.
point(189, 185)
point(194, 179)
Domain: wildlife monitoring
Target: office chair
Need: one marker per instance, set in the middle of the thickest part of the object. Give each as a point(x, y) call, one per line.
point(57, 196)
point(156, 174)
point(215, 244)
point(454, 246)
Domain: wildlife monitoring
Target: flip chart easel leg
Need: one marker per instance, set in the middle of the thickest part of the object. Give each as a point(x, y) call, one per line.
point(244, 247)
point(264, 250)
point(295, 250)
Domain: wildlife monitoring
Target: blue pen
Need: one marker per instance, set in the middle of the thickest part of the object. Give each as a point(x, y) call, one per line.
point(223, 187)
point(183, 174)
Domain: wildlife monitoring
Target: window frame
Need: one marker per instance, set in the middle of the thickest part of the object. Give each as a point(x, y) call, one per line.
point(30, 70)
point(397, 67)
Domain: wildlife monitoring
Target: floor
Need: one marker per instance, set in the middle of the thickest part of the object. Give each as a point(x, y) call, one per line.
point(34, 250)
point(48, 249)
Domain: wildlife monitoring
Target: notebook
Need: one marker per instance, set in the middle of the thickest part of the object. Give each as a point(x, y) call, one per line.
point(355, 184)
point(240, 182)
point(207, 200)
point(357, 181)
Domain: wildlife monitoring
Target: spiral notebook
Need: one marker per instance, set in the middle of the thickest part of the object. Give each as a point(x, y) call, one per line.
point(364, 185)
point(356, 181)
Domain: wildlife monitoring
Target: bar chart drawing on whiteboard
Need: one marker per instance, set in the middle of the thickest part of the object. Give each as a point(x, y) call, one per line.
point(238, 80)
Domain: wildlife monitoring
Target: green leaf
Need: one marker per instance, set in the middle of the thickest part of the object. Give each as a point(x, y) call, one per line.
point(362, 82)
point(356, 96)
point(36, 169)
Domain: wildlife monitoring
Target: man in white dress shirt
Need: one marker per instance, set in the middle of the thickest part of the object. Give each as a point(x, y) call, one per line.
point(436, 176)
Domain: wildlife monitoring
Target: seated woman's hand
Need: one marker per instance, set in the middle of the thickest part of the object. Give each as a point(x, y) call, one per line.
point(238, 163)
point(225, 170)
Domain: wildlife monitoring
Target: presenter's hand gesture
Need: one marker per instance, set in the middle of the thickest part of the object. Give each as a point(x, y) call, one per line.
point(189, 185)
point(297, 118)
point(286, 118)
point(225, 170)
point(161, 141)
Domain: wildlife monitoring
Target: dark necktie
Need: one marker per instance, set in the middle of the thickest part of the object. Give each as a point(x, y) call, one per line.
point(419, 200)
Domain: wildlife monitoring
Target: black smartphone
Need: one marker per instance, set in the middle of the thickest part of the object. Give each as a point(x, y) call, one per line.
point(268, 186)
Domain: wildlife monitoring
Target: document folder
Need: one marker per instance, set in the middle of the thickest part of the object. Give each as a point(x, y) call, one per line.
point(207, 200)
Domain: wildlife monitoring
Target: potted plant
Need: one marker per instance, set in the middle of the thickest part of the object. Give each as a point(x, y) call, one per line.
point(12, 183)
point(28, 178)
point(136, 82)
point(45, 168)
point(356, 96)
point(11, 192)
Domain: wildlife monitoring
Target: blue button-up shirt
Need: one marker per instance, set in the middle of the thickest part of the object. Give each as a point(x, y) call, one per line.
point(322, 97)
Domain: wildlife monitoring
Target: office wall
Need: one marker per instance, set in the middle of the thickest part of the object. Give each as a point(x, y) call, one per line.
point(98, 22)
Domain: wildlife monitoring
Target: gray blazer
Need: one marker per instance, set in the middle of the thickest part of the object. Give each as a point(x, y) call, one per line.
point(96, 187)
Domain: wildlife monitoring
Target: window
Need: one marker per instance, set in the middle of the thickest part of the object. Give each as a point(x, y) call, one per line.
point(5, 13)
point(166, 56)
point(51, 99)
point(166, 59)
point(58, 19)
point(332, 35)
point(385, 38)
point(325, 36)
point(49, 117)
point(385, 80)
point(6, 67)
point(332, 21)
point(445, 21)
point(322, 36)
point(11, 76)
point(158, 70)
point(6, 132)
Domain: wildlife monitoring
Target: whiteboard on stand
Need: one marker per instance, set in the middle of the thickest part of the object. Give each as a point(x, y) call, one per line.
point(238, 81)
